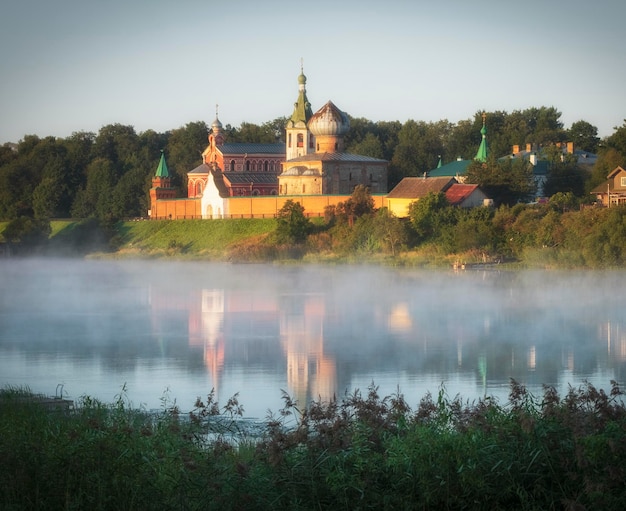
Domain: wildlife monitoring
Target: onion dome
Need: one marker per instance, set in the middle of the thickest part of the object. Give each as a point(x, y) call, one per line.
point(329, 121)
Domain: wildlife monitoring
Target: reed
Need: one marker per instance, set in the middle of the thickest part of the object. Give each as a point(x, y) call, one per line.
point(361, 452)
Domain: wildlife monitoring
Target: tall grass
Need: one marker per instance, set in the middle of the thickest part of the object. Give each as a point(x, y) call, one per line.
point(363, 452)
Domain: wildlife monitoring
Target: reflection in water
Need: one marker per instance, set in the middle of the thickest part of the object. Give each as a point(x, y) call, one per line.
point(313, 331)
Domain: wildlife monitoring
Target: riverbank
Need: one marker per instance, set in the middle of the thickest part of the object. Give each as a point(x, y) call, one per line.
point(366, 452)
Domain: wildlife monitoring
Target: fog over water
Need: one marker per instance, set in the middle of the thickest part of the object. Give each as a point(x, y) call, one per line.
point(176, 330)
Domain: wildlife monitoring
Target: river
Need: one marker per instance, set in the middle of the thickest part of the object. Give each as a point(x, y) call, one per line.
point(164, 332)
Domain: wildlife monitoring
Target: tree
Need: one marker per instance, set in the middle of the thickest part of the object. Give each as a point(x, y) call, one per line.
point(584, 136)
point(506, 181)
point(184, 150)
point(618, 140)
point(292, 225)
point(27, 232)
point(427, 215)
point(369, 146)
point(390, 230)
point(418, 150)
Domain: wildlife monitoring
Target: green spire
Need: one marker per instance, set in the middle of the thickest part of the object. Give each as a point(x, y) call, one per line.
point(161, 170)
point(483, 150)
point(302, 108)
point(440, 163)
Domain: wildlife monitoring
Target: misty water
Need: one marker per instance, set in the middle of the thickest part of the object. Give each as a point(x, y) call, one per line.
point(172, 331)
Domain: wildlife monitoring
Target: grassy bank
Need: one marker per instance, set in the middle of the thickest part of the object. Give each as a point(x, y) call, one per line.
point(365, 452)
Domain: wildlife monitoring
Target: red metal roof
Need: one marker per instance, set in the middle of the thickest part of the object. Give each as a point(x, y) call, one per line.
point(457, 193)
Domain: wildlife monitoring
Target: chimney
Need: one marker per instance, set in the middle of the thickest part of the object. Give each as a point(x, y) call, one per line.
point(570, 148)
point(529, 147)
point(515, 149)
point(533, 159)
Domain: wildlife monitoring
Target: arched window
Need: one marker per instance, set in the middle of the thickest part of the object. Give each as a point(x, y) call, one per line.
point(198, 188)
point(303, 188)
point(289, 140)
point(255, 192)
point(311, 146)
point(300, 140)
point(265, 166)
point(232, 165)
point(248, 165)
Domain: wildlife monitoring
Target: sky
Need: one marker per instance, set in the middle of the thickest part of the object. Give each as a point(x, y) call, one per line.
point(78, 65)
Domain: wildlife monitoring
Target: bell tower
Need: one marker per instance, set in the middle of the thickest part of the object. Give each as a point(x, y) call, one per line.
point(299, 141)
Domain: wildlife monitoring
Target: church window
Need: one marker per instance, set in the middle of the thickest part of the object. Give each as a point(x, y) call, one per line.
point(232, 165)
point(265, 166)
point(248, 165)
point(318, 147)
point(255, 192)
point(350, 176)
point(289, 141)
point(198, 188)
point(311, 146)
point(303, 188)
point(336, 146)
point(300, 140)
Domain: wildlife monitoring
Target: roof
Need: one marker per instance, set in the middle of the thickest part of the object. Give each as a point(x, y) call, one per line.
point(454, 168)
point(301, 170)
point(418, 187)
point(347, 157)
point(457, 193)
point(162, 170)
point(252, 149)
point(237, 178)
point(483, 149)
point(200, 169)
point(302, 108)
point(615, 172)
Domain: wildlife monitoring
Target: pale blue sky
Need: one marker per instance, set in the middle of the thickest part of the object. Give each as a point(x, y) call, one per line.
point(77, 65)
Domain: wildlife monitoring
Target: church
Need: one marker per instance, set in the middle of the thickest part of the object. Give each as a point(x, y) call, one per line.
point(238, 180)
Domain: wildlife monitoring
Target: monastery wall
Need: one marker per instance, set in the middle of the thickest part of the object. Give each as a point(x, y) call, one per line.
point(176, 209)
point(252, 207)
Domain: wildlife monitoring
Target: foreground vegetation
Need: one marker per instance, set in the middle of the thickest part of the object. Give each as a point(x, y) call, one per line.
point(365, 452)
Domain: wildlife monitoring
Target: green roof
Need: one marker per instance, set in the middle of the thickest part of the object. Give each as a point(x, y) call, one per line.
point(161, 170)
point(452, 169)
point(481, 155)
point(302, 109)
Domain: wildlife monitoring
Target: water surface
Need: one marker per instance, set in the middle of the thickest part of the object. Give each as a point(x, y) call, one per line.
point(169, 331)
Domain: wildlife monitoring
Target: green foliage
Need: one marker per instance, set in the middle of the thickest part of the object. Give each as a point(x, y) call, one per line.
point(361, 452)
point(506, 181)
point(292, 226)
point(27, 232)
point(584, 135)
point(429, 214)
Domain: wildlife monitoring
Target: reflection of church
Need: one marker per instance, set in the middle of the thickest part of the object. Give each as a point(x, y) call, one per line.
point(214, 317)
point(310, 163)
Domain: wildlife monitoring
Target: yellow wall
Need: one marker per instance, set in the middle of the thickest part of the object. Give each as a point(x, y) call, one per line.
point(253, 207)
point(176, 209)
point(263, 207)
point(399, 207)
